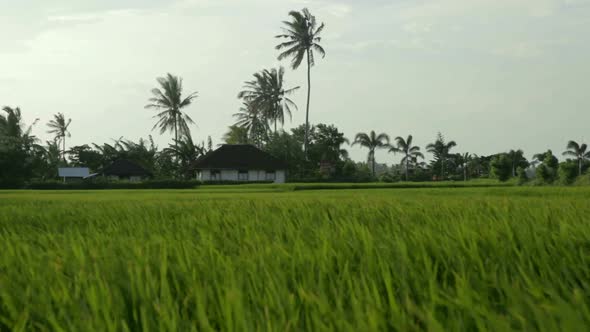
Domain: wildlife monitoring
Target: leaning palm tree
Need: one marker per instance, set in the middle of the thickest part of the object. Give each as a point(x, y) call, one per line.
point(59, 127)
point(169, 102)
point(372, 142)
point(11, 123)
point(578, 151)
point(267, 94)
point(303, 38)
point(12, 128)
point(409, 151)
point(440, 149)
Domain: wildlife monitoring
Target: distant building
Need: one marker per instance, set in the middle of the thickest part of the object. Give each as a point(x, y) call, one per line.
point(69, 174)
point(126, 170)
point(239, 163)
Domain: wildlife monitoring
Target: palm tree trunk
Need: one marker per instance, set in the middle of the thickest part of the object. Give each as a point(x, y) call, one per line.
point(63, 150)
point(176, 131)
point(580, 166)
point(464, 173)
point(306, 141)
point(407, 167)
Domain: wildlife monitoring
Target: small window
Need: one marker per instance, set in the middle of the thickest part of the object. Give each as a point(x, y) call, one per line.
point(215, 175)
point(271, 176)
point(243, 176)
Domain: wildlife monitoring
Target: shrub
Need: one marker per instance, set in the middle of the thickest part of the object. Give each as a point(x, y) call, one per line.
point(522, 177)
point(389, 177)
point(102, 184)
point(545, 174)
point(568, 171)
point(501, 167)
point(583, 180)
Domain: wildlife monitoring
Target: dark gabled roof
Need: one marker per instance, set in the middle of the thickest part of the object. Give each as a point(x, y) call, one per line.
point(239, 156)
point(123, 167)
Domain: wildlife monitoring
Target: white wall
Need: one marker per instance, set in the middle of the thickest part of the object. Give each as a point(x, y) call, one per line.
point(229, 175)
point(232, 175)
point(281, 177)
point(204, 175)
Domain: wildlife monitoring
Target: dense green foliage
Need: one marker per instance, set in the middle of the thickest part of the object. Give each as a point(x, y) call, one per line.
point(568, 171)
point(496, 259)
point(105, 184)
point(501, 167)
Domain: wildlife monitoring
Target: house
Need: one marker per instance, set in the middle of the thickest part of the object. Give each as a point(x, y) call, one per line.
point(239, 163)
point(69, 174)
point(126, 170)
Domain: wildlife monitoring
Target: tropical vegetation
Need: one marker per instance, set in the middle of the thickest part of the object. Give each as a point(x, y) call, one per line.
point(302, 35)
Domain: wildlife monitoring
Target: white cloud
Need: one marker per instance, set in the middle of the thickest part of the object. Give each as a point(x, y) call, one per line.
point(519, 50)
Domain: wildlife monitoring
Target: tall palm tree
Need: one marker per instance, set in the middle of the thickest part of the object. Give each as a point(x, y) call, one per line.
point(372, 142)
point(169, 102)
point(517, 159)
point(410, 152)
point(268, 94)
point(12, 127)
point(253, 120)
point(59, 127)
point(440, 149)
point(577, 151)
point(302, 33)
point(464, 159)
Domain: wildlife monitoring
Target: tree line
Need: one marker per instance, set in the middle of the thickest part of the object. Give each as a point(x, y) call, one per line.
point(313, 152)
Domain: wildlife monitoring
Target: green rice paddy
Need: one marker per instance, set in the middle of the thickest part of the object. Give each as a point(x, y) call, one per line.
point(428, 259)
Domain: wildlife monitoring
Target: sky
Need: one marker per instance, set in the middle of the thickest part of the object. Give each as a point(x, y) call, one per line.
point(492, 75)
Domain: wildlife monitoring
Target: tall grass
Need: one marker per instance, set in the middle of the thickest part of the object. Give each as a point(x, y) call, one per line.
point(495, 259)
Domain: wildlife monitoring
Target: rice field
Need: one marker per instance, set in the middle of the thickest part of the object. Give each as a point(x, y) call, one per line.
point(429, 259)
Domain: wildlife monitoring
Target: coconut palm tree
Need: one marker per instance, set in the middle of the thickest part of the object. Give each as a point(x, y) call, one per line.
point(236, 135)
point(186, 151)
point(372, 142)
point(169, 102)
point(11, 124)
point(253, 120)
point(517, 159)
point(59, 127)
point(579, 152)
point(464, 160)
point(268, 94)
point(409, 151)
point(440, 149)
point(302, 33)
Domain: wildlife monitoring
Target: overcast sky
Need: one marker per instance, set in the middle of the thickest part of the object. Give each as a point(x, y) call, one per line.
point(490, 74)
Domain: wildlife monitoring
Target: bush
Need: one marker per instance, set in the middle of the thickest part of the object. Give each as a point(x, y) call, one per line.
point(522, 177)
point(583, 180)
point(102, 184)
point(501, 167)
point(545, 175)
point(568, 171)
point(390, 177)
point(221, 183)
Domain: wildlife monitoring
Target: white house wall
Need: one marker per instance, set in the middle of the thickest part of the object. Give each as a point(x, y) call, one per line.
point(232, 175)
point(204, 175)
point(229, 175)
point(281, 177)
